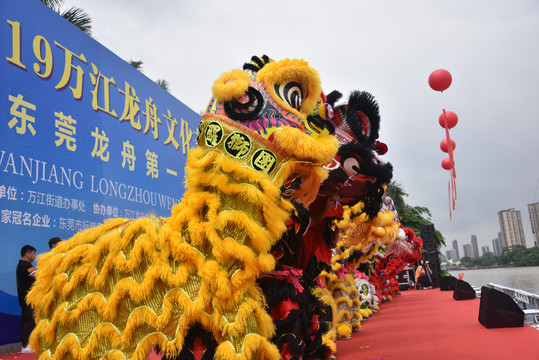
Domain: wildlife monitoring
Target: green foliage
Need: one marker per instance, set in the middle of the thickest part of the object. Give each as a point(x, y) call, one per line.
point(74, 15)
point(53, 4)
point(466, 261)
point(79, 18)
point(397, 194)
point(516, 255)
point(488, 259)
point(137, 64)
point(163, 83)
point(413, 217)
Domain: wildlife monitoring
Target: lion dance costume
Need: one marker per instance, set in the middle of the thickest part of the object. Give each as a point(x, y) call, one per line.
point(189, 281)
point(243, 267)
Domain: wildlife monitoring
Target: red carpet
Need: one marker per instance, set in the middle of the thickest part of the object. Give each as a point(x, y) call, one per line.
point(430, 324)
point(426, 324)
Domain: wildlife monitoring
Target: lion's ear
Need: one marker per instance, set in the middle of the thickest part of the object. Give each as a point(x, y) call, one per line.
point(231, 85)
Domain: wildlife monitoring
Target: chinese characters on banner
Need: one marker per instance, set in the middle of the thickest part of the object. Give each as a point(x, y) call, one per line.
point(83, 135)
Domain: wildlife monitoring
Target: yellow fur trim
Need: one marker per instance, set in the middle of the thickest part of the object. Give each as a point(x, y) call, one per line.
point(329, 338)
point(118, 289)
point(124, 280)
point(301, 146)
point(342, 287)
point(231, 85)
point(384, 219)
point(313, 152)
point(252, 345)
point(369, 311)
point(356, 324)
point(344, 330)
point(278, 72)
point(365, 313)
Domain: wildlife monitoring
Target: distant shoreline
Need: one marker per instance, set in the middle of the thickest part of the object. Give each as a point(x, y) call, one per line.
point(483, 267)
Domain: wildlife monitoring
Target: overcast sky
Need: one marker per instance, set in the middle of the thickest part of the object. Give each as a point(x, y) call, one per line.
point(386, 47)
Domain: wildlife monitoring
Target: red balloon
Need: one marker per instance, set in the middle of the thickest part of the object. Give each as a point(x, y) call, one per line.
point(452, 119)
point(440, 79)
point(443, 145)
point(447, 164)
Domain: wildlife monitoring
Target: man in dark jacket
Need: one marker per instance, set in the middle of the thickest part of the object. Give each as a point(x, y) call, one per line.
point(26, 275)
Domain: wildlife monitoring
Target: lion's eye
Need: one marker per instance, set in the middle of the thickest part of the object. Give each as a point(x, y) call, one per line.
point(351, 165)
point(291, 93)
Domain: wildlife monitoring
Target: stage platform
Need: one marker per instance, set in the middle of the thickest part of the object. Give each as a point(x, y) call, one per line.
point(426, 324)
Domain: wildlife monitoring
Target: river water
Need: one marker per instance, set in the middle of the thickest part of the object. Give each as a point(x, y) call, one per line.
point(524, 278)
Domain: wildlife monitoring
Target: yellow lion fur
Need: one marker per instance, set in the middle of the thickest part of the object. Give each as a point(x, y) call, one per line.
point(231, 85)
point(292, 69)
point(129, 285)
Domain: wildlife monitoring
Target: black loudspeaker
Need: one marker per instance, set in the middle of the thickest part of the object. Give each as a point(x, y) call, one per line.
point(430, 252)
point(463, 291)
point(404, 280)
point(499, 310)
point(448, 283)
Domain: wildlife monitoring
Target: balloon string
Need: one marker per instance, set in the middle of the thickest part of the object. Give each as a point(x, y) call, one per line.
point(443, 99)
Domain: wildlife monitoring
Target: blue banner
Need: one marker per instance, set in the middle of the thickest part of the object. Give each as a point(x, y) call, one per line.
point(83, 137)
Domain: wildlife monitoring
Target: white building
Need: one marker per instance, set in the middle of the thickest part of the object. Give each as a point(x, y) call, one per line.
point(497, 245)
point(451, 254)
point(511, 228)
point(468, 251)
point(533, 210)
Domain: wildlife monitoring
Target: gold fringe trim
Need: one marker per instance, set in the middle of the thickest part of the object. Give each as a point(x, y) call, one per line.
point(119, 289)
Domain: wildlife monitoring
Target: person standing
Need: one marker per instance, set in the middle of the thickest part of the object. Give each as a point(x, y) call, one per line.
point(26, 275)
point(53, 242)
point(422, 279)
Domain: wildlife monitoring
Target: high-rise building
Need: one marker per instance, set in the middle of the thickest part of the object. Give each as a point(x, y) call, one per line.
point(484, 250)
point(533, 210)
point(468, 252)
point(511, 228)
point(456, 248)
point(500, 243)
point(451, 254)
point(496, 246)
point(475, 248)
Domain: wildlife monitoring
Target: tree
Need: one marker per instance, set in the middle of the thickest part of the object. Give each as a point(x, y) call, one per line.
point(531, 258)
point(466, 261)
point(397, 194)
point(74, 15)
point(413, 217)
point(488, 259)
point(137, 64)
point(163, 83)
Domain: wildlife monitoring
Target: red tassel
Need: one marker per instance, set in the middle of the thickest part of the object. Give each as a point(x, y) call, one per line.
point(449, 195)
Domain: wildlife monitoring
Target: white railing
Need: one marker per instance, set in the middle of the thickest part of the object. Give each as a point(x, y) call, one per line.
point(519, 295)
point(529, 302)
